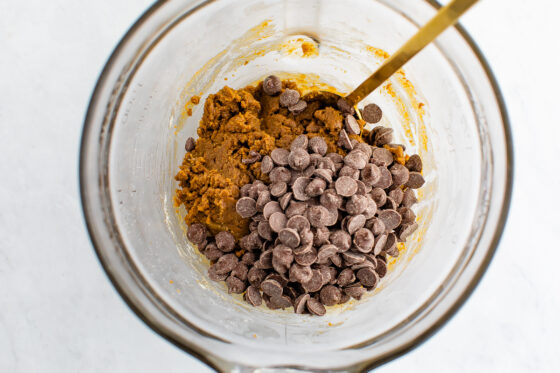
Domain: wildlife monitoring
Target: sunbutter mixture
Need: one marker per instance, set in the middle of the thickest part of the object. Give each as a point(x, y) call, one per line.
point(236, 122)
point(292, 201)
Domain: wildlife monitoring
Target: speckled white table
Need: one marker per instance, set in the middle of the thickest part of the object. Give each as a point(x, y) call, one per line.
point(58, 311)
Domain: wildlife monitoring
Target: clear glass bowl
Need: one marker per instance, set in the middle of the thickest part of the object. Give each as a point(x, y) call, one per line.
point(448, 109)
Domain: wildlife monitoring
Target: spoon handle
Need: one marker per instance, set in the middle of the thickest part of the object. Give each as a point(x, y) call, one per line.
point(445, 17)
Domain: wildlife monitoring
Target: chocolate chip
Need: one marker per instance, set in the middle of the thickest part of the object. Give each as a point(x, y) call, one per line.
point(372, 113)
point(308, 258)
point(299, 159)
point(351, 125)
point(253, 296)
point(317, 216)
point(318, 145)
point(383, 136)
point(256, 276)
point(271, 287)
point(350, 172)
point(289, 237)
point(299, 273)
point(321, 236)
point(280, 156)
point(379, 196)
point(380, 243)
point(344, 107)
point(300, 303)
point(409, 198)
point(282, 258)
point(366, 264)
point(376, 226)
point(299, 188)
point(306, 237)
point(382, 157)
point(381, 268)
point(225, 264)
point(225, 241)
point(278, 189)
point(396, 195)
point(245, 189)
point(285, 200)
point(415, 181)
point(270, 208)
point(325, 252)
point(345, 277)
point(250, 242)
point(324, 174)
point(407, 215)
point(414, 163)
point(335, 157)
point(346, 186)
point(315, 283)
point(289, 97)
point(330, 199)
point(344, 140)
point(364, 148)
point(314, 159)
point(351, 258)
point(357, 204)
point(356, 222)
point(341, 239)
point(235, 285)
point(386, 180)
point(262, 200)
point(299, 223)
point(264, 229)
point(390, 218)
point(399, 174)
point(344, 298)
point(371, 208)
point(296, 208)
point(315, 307)
point(390, 204)
point(391, 245)
point(277, 221)
point(316, 187)
point(282, 302)
point(298, 108)
point(211, 252)
point(300, 142)
point(367, 277)
point(371, 174)
point(336, 260)
point(249, 258)
point(252, 158)
point(406, 230)
point(363, 189)
point(216, 276)
point(189, 144)
point(272, 85)
point(197, 233)
point(265, 260)
point(330, 295)
point(327, 163)
point(364, 240)
point(356, 159)
point(356, 291)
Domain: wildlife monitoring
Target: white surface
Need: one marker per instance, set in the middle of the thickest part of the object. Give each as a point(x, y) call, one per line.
point(58, 311)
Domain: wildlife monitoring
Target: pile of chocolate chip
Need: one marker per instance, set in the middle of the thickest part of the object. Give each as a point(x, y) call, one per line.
point(321, 230)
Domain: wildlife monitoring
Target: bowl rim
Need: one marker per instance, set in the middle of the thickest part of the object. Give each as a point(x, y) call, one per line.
point(367, 363)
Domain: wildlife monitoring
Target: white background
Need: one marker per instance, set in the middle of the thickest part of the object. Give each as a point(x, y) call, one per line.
point(58, 311)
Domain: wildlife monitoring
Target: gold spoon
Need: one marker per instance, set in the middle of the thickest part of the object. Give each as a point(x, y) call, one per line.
point(445, 17)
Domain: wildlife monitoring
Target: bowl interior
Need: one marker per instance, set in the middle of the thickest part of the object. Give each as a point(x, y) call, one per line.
point(436, 107)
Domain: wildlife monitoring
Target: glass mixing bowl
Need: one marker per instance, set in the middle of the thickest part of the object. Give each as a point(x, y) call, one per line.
point(445, 106)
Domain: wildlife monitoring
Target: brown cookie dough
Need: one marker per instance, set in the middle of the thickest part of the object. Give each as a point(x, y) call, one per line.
point(234, 123)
